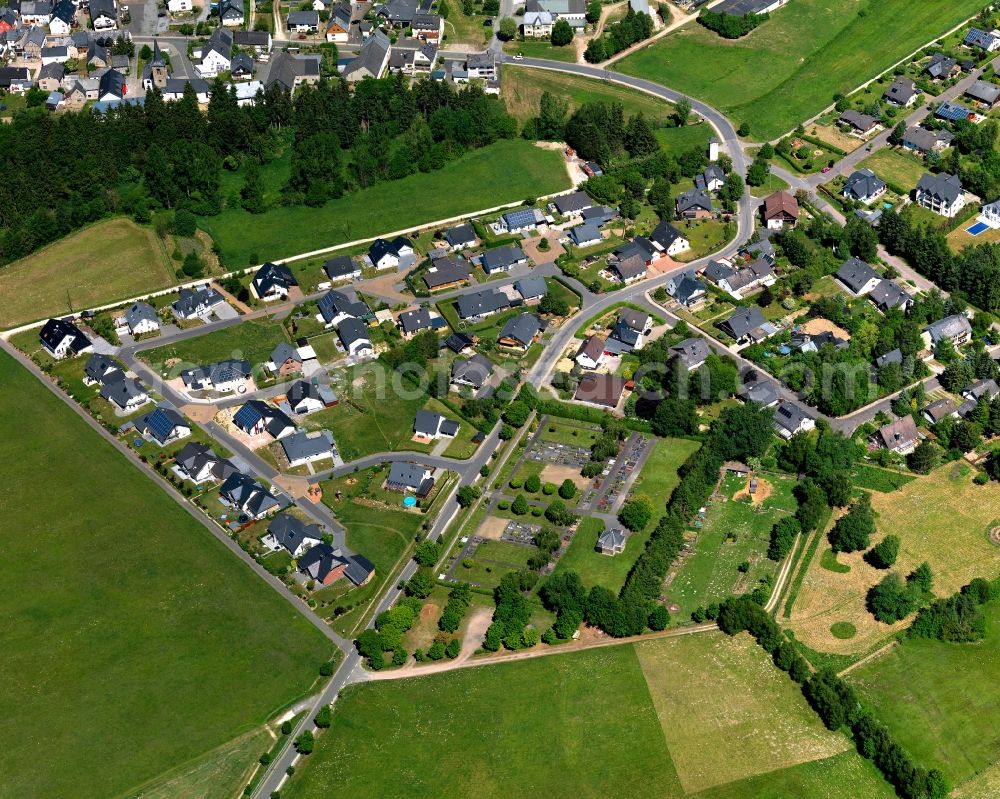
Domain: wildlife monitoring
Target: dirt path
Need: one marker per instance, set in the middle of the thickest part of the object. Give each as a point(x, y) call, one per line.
point(877, 653)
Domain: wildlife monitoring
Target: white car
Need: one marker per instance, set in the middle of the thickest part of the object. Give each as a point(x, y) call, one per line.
point(518, 56)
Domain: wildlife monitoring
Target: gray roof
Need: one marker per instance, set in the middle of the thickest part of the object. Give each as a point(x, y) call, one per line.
point(415, 320)
point(987, 388)
point(299, 446)
point(789, 416)
point(925, 140)
point(502, 258)
point(694, 199)
point(855, 273)
point(599, 214)
point(665, 234)
point(863, 183)
point(688, 288)
point(310, 18)
point(272, 275)
point(140, 312)
point(531, 287)
point(191, 302)
point(740, 8)
point(522, 328)
point(611, 539)
point(984, 92)
point(950, 327)
point(55, 331)
point(100, 366)
point(481, 302)
point(893, 356)
point(445, 271)
point(284, 352)
point(901, 91)
point(940, 65)
point(943, 187)
point(351, 331)
point(406, 474)
point(161, 422)
point(461, 234)
point(247, 494)
point(712, 173)
point(898, 433)
point(334, 303)
point(575, 202)
point(744, 321)
point(692, 351)
point(629, 267)
point(292, 532)
point(251, 38)
point(120, 392)
point(341, 266)
point(888, 295)
point(585, 233)
point(195, 456)
point(475, 370)
point(941, 408)
point(856, 119)
point(214, 373)
point(371, 58)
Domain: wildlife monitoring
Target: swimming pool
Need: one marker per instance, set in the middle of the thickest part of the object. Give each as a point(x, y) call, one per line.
point(977, 228)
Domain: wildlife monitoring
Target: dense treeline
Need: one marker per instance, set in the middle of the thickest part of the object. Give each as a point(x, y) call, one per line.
point(64, 171)
point(634, 27)
point(958, 618)
point(730, 26)
point(836, 702)
point(975, 271)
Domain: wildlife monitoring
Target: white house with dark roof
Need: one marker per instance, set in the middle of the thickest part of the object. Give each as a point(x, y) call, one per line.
point(341, 267)
point(199, 464)
point(224, 377)
point(126, 393)
point(63, 339)
point(590, 355)
point(954, 328)
point(481, 304)
point(857, 276)
point(430, 426)
point(303, 448)
point(354, 337)
point(573, 204)
point(503, 259)
point(520, 331)
point(790, 419)
point(100, 369)
point(942, 194)
point(292, 534)
point(888, 296)
point(336, 306)
point(216, 54)
point(864, 186)
point(231, 13)
point(196, 304)
point(242, 492)
point(163, 425)
point(395, 254)
point(305, 397)
point(407, 477)
point(902, 92)
point(461, 237)
point(272, 282)
point(471, 372)
point(141, 319)
point(256, 417)
point(691, 352)
point(586, 235)
point(747, 326)
point(612, 542)
point(669, 239)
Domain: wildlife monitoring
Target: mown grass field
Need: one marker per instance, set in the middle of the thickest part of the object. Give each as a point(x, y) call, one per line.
point(523, 87)
point(542, 49)
point(789, 68)
point(253, 340)
point(112, 260)
point(658, 477)
point(517, 729)
point(133, 641)
point(710, 573)
point(895, 168)
point(480, 179)
point(940, 699)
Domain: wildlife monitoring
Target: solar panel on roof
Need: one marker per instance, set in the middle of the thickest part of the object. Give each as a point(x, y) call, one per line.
point(247, 416)
point(160, 424)
point(952, 111)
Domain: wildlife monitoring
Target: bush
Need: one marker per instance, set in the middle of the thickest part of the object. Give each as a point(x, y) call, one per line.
point(286, 728)
point(884, 553)
point(659, 618)
point(326, 669)
point(305, 743)
point(185, 223)
point(853, 530)
point(324, 717)
point(568, 489)
point(453, 649)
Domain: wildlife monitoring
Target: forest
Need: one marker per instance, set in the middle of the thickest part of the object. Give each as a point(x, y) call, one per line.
point(63, 172)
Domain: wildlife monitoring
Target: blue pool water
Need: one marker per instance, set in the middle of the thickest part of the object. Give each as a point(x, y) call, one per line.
point(976, 229)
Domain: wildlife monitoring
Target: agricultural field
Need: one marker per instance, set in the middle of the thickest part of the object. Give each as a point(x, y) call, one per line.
point(522, 91)
point(943, 723)
point(143, 622)
point(536, 735)
point(896, 168)
point(709, 572)
point(111, 260)
point(372, 416)
point(253, 340)
point(943, 518)
point(789, 68)
point(457, 188)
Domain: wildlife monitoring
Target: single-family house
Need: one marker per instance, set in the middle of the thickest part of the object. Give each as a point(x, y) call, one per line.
point(289, 72)
point(62, 18)
point(780, 210)
point(687, 290)
point(430, 426)
point(429, 27)
point(954, 328)
point(242, 492)
point(54, 55)
point(256, 417)
point(101, 369)
point(471, 372)
point(447, 273)
point(409, 477)
point(199, 464)
point(601, 389)
point(902, 92)
point(586, 235)
point(531, 289)
point(669, 239)
point(984, 93)
point(694, 204)
point(573, 204)
point(141, 318)
point(888, 295)
point(629, 269)
point(691, 352)
point(398, 13)
point(520, 331)
point(599, 215)
point(461, 237)
point(481, 304)
point(353, 335)
point(414, 321)
point(481, 66)
point(986, 389)
point(503, 259)
point(923, 140)
point(857, 276)
point(790, 419)
point(241, 67)
point(522, 220)
point(939, 410)
point(859, 123)
point(893, 356)
point(304, 448)
point(63, 339)
point(338, 26)
point(747, 326)
point(126, 392)
point(304, 397)
point(740, 282)
point(711, 179)
point(180, 6)
point(335, 306)
point(864, 186)
point(987, 41)
point(258, 42)
point(590, 355)
point(216, 54)
point(325, 565)
point(395, 254)
point(303, 21)
point(285, 360)
point(222, 376)
point(942, 67)
point(899, 436)
point(342, 267)
point(231, 13)
point(294, 535)
point(196, 304)
point(758, 389)
point(538, 24)
point(112, 86)
point(371, 60)
point(164, 425)
point(272, 282)
point(104, 14)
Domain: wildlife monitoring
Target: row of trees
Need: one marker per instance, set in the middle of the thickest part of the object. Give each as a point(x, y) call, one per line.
point(730, 26)
point(390, 625)
point(958, 618)
point(618, 36)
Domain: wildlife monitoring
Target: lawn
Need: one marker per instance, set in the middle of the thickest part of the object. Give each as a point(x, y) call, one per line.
point(658, 477)
point(480, 179)
point(789, 68)
point(109, 261)
point(253, 340)
point(375, 413)
point(540, 49)
point(517, 729)
point(940, 699)
point(709, 574)
point(523, 88)
point(122, 613)
point(678, 140)
point(593, 567)
point(568, 431)
point(492, 560)
point(897, 169)
point(942, 518)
